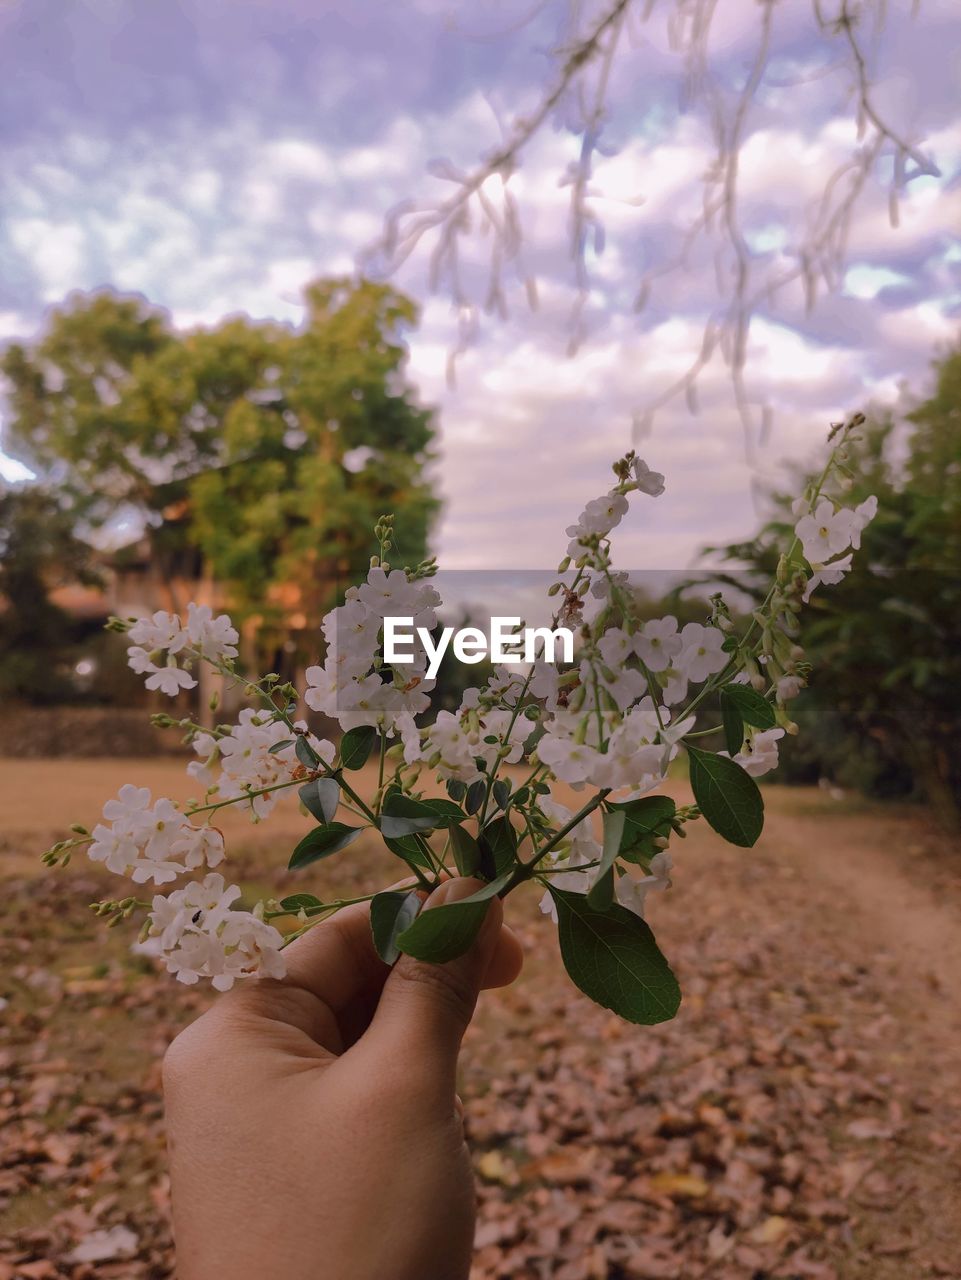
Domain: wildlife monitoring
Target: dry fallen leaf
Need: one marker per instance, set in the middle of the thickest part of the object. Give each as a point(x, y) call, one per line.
point(683, 1186)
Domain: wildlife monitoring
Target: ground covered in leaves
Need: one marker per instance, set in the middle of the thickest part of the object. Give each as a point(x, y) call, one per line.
point(800, 1118)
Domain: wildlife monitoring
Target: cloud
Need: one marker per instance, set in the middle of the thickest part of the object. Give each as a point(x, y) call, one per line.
point(256, 148)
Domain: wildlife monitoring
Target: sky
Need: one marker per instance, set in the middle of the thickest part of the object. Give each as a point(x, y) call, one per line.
point(215, 155)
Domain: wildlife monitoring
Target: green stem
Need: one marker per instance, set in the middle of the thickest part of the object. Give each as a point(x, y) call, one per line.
point(526, 869)
point(247, 795)
point(491, 777)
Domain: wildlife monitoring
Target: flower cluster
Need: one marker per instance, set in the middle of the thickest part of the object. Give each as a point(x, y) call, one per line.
point(163, 638)
point(199, 936)
point(151, 842)
point(607, 724)
point(826, 531)
point(256, 756)
point(351, 686)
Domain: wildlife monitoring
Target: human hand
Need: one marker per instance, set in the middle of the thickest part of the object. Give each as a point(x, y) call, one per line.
point(313, 1124)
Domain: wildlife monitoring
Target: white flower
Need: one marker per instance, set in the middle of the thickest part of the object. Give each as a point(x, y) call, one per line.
point(700, 654)
point(863, 514)
point(506, 685)
point(603, 585)
point(247, 762)
point(824, 532)
point(406, 726)
point(116, 846)
point(827, 574)
point(576, 849)
point(615, 646)
point(201, 937)
point(648, 481)
point(657, 643)
point(569, 761)
point(602, 515)
point(198, 846)
point(170, 680)
point(215, 637)
point(160, 829)
point(130, 805)
point(161, 630)
point(139, 840)
point(391, 595)
point(631, 893)
point(570, 881)
point(674, 688)
point(545, 682)
point(205, 744)
point(597, 519)
point(450, 739)
point(789, 687)
point(760, 755)
point(139, 661)
point(626, 686)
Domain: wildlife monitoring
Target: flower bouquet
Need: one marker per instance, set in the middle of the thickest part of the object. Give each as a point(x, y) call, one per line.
point(605, 723)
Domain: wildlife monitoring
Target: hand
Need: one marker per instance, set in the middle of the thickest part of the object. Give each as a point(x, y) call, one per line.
point(313, 1124)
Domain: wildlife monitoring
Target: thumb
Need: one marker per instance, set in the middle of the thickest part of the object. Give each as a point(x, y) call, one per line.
point(425, 1008)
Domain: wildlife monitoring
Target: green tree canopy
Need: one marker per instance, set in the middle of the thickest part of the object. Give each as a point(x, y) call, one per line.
point(884, 709)
point(272, 449)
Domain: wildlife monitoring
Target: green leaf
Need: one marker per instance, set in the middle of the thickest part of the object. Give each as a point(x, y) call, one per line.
point(408, 849)
point(356, 745)
point(391, 913)
point(467, 852)
point(475, 795)
point(601, 893)
point(732, 723)
point(322, 842)
point(300, 902)
point(498, 848)
point(448, 813)
point(305, 753)
point(443, 933)
point(501, 792)
point(727, 796)
point(402, 816)
point(456, 790)
point(754, 709)
point(280, 746)
point(644, 821)
point(320, 797)
point(612, 957)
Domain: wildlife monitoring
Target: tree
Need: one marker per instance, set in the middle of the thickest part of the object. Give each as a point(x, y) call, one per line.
point(334, 440)
point(883, 711)
point(38, 553)
point(271, 449)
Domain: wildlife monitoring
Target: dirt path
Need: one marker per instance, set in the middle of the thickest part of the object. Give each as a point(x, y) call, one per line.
point(800, 1117)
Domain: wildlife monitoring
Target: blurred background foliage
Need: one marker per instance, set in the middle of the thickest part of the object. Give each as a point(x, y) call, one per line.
point(254, 458)
point(252, 455)
point(883, 710)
